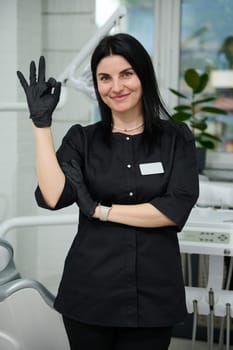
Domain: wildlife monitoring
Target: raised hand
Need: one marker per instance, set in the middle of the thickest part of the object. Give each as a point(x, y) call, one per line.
point(83, 198)
point(42, 96)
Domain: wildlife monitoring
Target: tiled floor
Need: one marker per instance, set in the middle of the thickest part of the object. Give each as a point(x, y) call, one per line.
point(184, 344)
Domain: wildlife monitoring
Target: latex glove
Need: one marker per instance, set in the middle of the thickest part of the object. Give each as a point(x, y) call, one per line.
point(74, 173)
point(42, 96)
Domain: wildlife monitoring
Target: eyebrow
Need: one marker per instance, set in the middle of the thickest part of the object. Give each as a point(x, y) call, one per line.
point(123, 71)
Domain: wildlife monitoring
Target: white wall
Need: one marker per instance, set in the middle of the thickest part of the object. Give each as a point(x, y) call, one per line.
point(8, 128)
point(28, 28)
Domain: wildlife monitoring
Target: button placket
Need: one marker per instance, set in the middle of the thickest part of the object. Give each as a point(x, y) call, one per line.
point(129, 166)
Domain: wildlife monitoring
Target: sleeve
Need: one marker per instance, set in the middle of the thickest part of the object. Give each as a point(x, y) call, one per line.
point(67, 197)
point(183, 187)
point(72, 147)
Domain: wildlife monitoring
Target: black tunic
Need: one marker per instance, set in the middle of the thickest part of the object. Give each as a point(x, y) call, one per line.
point(114, 274)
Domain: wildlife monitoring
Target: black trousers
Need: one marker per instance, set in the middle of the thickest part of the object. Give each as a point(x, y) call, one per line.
point(90, 337)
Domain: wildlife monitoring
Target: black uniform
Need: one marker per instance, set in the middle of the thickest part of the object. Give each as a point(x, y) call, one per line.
point(119, 275)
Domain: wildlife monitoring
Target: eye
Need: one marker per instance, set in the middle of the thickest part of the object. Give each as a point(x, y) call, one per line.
point(127, 74)
point(104, 77)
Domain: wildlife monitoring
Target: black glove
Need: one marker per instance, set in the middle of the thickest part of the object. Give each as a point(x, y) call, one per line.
point(74, 173)
point(40, 98)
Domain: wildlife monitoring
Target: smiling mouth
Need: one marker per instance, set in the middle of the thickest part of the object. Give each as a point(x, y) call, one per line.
point(120, 97)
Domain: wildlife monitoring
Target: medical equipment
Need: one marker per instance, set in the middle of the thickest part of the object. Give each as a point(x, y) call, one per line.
point(7, 267)
point(27, 318)
point(209, 231)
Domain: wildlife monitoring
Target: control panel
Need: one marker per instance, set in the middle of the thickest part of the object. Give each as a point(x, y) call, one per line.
point(208, 231)
point(205, 237)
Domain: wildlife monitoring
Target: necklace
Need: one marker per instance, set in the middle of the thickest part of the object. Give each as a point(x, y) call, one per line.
point(127, 130)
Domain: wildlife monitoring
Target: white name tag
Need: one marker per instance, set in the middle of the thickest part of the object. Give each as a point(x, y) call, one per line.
point(151, 168)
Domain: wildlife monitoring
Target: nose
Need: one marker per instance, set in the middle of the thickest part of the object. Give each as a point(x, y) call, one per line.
point(117, 85)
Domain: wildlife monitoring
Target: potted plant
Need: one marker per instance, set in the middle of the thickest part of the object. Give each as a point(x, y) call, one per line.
point(196, 110)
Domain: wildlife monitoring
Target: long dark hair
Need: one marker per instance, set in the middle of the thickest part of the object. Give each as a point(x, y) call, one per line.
point(132, 50)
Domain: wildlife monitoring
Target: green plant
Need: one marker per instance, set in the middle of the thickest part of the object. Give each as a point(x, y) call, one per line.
point(196, 110)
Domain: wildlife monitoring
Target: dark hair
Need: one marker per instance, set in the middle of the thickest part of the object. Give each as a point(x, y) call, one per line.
point(132, 50)
point(227, 41)
point(225, 50)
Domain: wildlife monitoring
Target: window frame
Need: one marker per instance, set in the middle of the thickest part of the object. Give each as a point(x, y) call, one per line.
point(166, 60)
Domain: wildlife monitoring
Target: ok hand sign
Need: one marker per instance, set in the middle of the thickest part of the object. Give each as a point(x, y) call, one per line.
point(42, 96)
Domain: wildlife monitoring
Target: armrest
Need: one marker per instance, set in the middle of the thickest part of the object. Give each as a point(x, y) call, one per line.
point(12, 287)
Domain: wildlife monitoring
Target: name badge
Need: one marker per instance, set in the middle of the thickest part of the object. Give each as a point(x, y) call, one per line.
point(151, 168)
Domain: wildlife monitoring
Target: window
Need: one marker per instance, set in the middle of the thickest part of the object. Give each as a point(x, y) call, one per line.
point(207, 44)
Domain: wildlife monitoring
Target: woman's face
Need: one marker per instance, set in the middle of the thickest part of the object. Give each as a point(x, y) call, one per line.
point(119, 85)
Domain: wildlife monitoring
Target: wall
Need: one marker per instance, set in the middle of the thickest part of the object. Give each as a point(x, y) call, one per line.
point(8, 129)
point(57, 29)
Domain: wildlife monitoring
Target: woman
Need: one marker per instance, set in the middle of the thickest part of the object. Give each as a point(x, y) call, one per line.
point(134, 178)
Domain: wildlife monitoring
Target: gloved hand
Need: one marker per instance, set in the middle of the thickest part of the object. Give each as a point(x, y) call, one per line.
point(74, 173)
point(40, 98)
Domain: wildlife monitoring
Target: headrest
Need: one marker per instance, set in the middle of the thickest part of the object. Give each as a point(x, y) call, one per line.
point(216, 194)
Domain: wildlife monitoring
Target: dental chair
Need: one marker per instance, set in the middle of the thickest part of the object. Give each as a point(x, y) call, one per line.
point(7, 267)
point(209, 232)
point(27, 318)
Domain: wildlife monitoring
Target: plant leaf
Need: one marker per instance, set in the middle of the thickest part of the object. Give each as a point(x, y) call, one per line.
point(207, 140)
point(181, 108)
point(211, 137)
point(208, 99)
point(207, 144)
point(213, 110)
point(204, 78)
point(200, 125)
point(181, 116)
point(192, 78)
point(177, 93)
